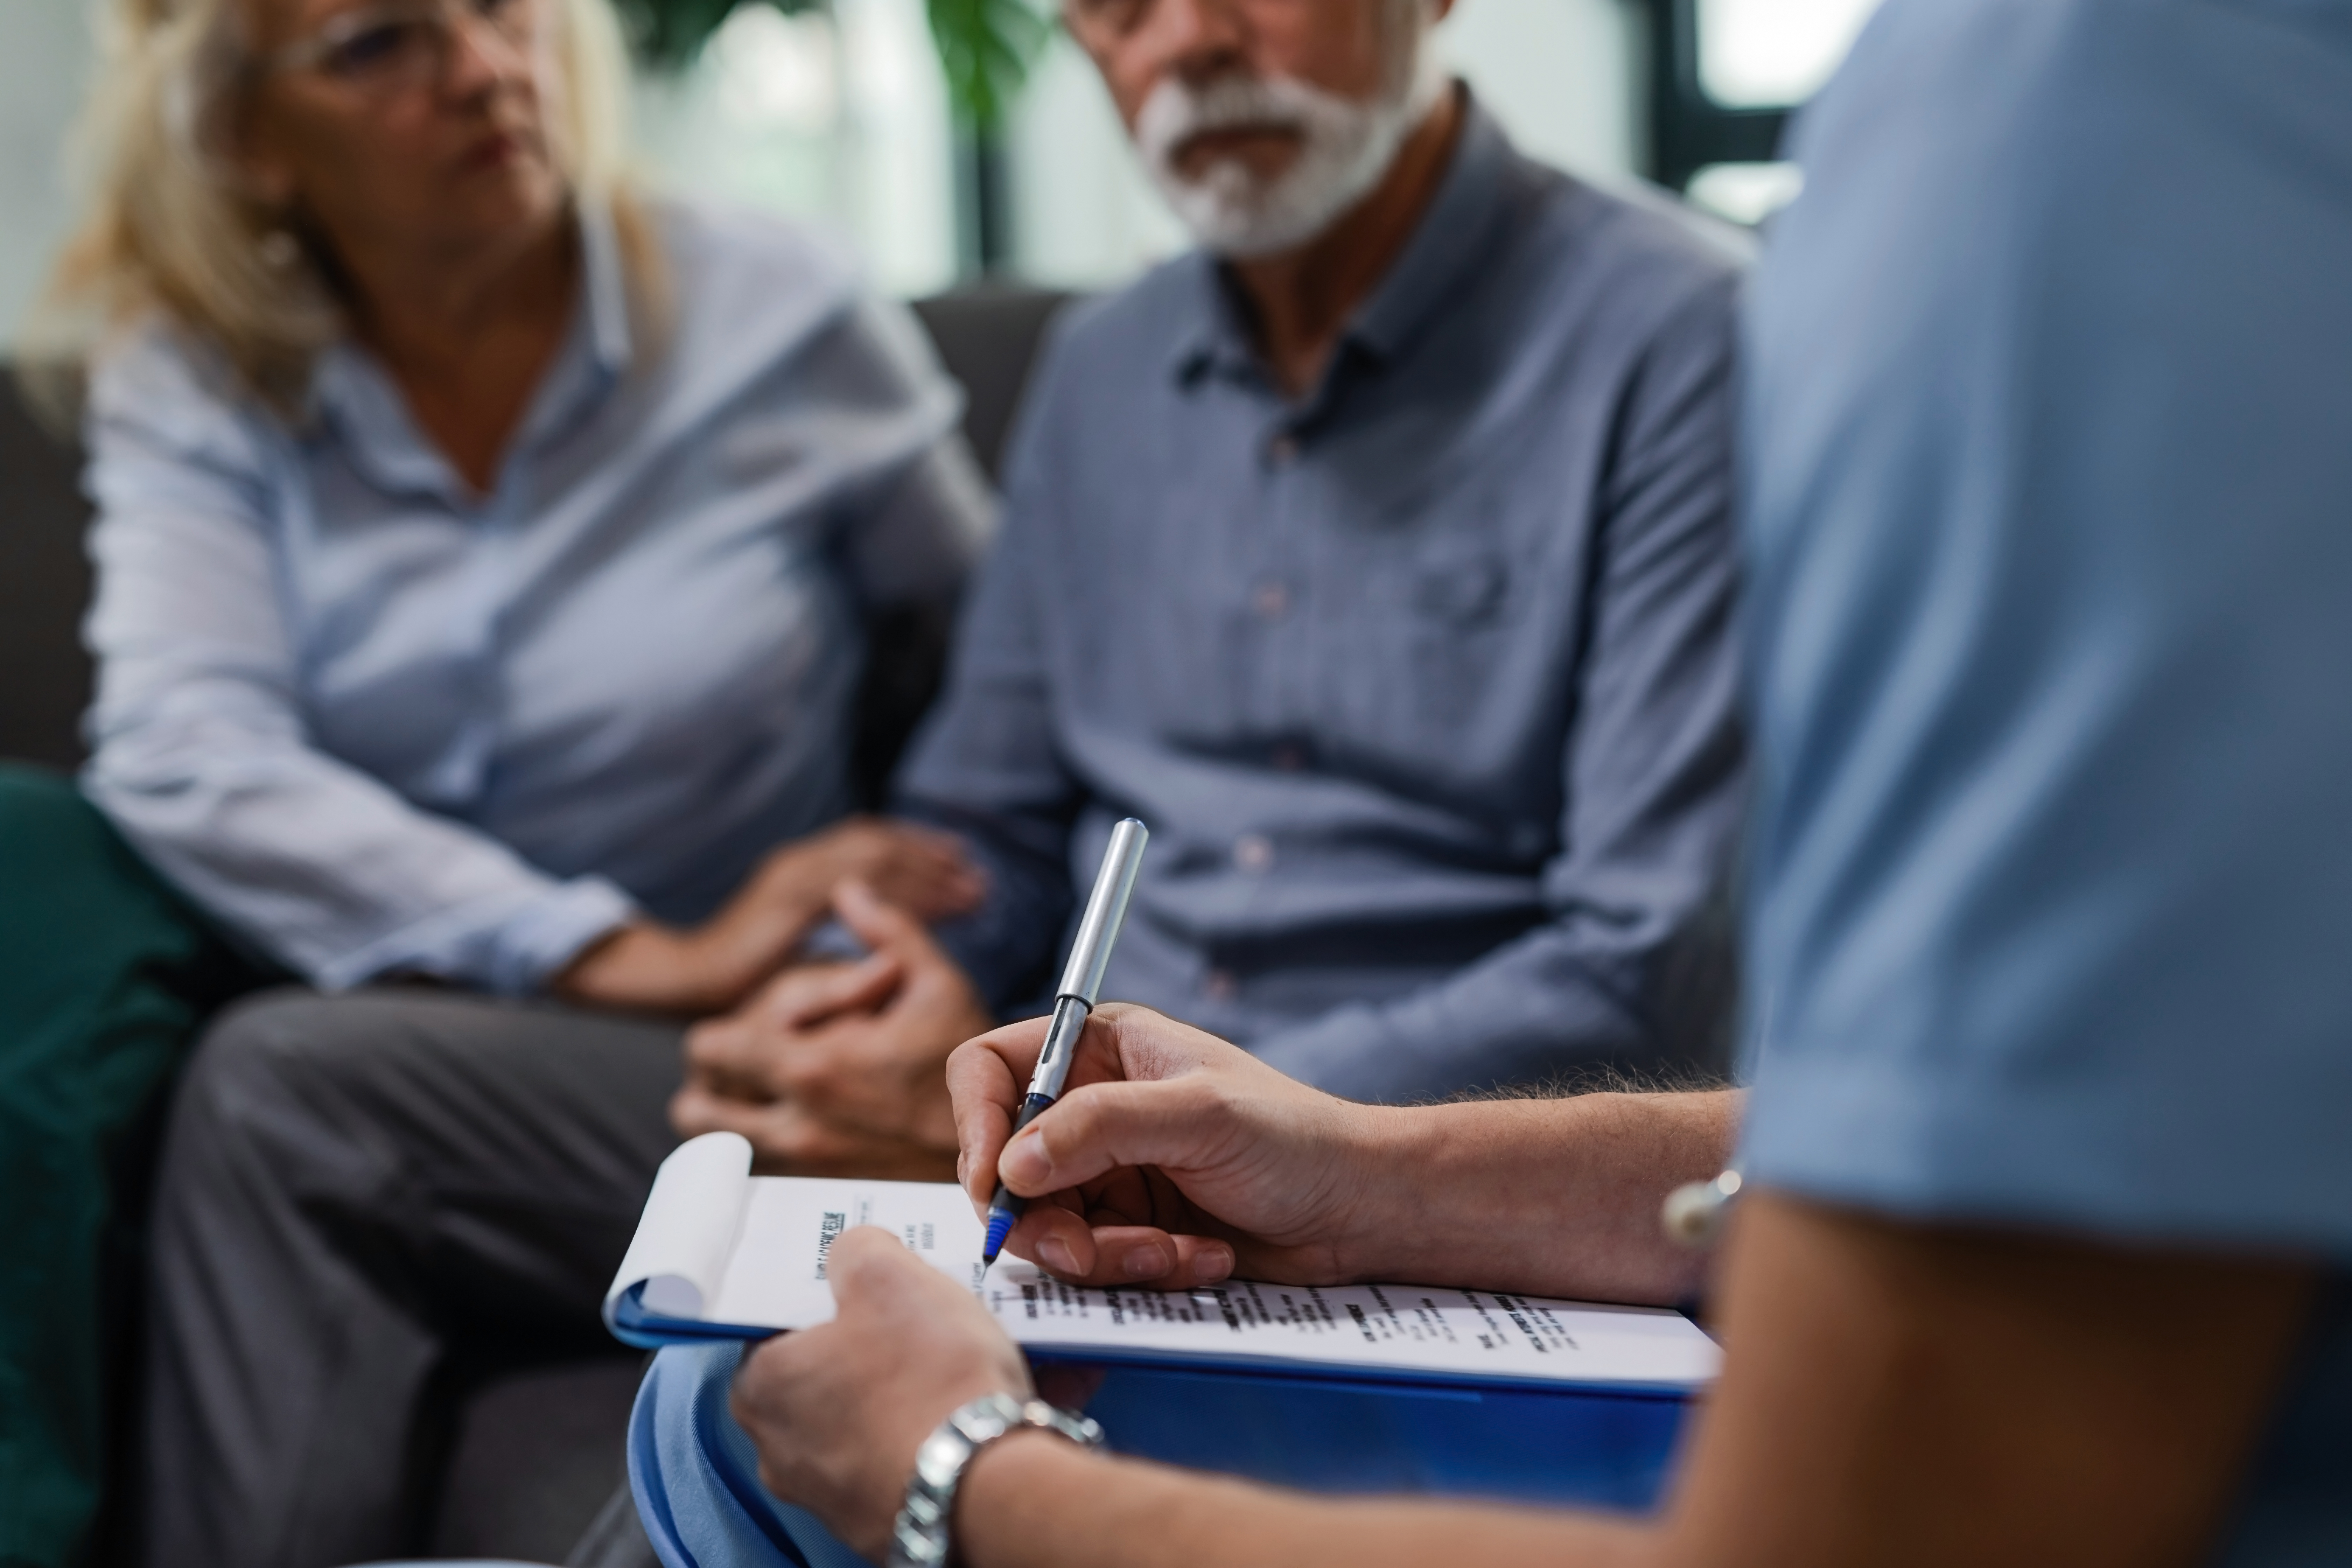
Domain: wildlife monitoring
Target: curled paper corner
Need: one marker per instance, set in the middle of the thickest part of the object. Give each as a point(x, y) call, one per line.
point(673, 1296)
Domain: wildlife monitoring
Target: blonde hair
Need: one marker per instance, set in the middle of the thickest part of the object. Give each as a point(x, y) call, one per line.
point(169, 229)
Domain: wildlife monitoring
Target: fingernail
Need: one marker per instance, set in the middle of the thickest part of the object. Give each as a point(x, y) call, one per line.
point(1055, 1254)
point(1211, 1263)
point(1146, 1262)
point(1025, 1160)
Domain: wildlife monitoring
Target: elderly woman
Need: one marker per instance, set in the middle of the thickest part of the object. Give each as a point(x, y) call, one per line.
point(484, 555)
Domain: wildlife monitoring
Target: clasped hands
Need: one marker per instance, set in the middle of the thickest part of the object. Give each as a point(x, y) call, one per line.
point(834, 1067)
point(1173, 1160)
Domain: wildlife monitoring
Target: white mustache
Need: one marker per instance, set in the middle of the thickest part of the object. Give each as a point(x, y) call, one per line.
point(1344, 145)
point(1176, 112)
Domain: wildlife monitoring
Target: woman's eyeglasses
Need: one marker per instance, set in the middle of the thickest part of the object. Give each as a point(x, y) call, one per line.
point(383, 50)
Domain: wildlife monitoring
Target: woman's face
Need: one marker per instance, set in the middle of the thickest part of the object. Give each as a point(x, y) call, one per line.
point(405, 128)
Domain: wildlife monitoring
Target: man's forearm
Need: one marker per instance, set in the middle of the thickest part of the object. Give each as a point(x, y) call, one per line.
point(1557, 1197)
point(1034, 1501)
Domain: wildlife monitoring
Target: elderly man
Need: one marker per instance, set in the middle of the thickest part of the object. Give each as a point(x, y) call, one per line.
point(1377, 554)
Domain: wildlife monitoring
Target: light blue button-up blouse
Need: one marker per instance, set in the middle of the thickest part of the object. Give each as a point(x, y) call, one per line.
point(376, 722)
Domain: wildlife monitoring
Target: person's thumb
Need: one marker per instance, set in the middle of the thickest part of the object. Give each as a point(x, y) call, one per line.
point(807, 998)
point(1179, 1123)
point(866, 1265)
point(882, 926)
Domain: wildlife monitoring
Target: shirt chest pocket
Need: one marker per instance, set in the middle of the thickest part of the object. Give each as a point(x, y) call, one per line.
point(1441, 664)
point(1456, 595)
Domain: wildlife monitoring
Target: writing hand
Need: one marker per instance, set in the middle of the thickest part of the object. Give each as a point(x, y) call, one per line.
point(1172, 1159)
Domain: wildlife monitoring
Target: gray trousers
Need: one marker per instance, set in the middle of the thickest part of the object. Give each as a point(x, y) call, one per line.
point(366, 1202)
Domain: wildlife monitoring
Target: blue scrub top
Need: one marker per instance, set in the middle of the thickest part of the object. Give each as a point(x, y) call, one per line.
point(2051, 523)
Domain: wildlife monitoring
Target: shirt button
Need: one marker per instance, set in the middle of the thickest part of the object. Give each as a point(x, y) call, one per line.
point(1270, 600)
point(1281, 449)
point(1217, 985)
point(1253, 852)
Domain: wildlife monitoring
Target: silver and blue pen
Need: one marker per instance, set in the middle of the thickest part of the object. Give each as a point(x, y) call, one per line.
point(1082, 980)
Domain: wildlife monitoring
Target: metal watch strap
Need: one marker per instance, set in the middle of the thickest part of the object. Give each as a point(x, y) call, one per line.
point(920, 1539)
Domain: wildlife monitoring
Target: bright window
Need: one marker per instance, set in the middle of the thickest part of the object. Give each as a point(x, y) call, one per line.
point(1773, 54)
point(837, 115)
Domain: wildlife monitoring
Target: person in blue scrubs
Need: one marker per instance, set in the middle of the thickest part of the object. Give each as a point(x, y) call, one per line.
point(2043, 1253)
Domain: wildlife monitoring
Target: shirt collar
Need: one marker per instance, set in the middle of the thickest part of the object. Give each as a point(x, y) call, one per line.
point(1450, 235)
point(597, 351)
point(606, 288)
point(351, 394)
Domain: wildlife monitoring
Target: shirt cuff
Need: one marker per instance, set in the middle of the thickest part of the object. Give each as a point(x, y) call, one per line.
point(548, 933)
point(509, 952)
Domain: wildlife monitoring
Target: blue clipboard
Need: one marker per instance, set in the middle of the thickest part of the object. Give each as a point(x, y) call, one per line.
point(1559, 1445)
point(1352, 1431)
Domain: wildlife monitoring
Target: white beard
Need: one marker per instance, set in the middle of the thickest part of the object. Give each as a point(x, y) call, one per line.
point(1345, 148)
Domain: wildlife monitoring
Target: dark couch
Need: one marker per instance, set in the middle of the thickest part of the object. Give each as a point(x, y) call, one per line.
point(537, 1450)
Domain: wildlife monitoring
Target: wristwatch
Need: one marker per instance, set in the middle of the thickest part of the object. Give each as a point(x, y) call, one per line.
point(919, 1540)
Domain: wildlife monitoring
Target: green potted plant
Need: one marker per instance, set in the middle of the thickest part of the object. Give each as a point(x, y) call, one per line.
point(985, 46)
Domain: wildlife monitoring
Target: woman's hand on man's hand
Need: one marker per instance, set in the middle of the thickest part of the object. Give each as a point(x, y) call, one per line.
point(1172, 1157)
point(920, 870)
point(713, 967)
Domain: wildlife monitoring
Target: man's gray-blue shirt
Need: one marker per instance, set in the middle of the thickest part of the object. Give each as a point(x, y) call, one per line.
point(1424, 682)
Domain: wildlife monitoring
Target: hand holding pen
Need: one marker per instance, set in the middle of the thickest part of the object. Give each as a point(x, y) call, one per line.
point(1175, 1159)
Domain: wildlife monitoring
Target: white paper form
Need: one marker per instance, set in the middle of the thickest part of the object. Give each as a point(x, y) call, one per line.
point(1393, 1328)
point(718, 1245)
point(721, 1247)
point(778, 1275)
